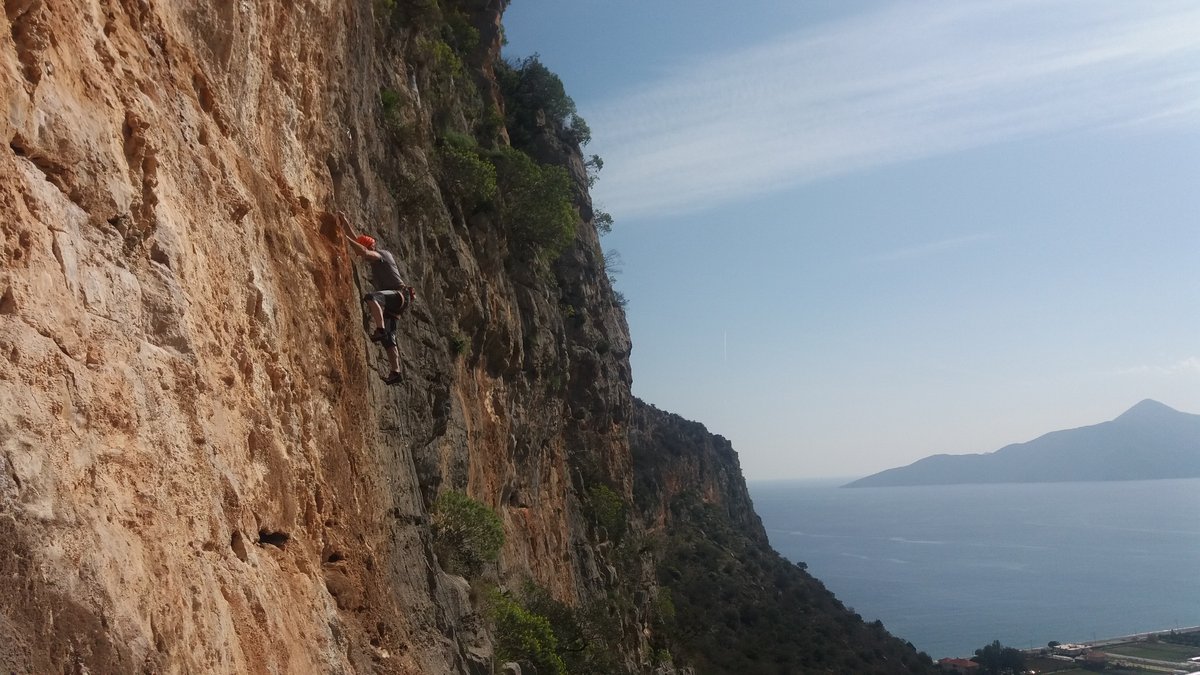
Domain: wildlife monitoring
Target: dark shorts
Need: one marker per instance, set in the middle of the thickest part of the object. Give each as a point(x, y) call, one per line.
point(393, 303)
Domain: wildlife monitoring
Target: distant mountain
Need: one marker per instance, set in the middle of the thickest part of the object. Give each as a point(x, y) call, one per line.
point(1148, 441)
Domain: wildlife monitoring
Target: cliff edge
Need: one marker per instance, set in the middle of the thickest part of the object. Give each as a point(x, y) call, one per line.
point(200, 470)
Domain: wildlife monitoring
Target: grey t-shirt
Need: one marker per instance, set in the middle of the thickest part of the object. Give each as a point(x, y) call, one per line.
point(384, 273)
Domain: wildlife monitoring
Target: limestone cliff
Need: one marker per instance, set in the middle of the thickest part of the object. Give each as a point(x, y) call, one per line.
point(737, 606)
point(199, 469)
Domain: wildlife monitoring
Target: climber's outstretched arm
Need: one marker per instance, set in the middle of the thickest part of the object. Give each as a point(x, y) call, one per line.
point(359, 250)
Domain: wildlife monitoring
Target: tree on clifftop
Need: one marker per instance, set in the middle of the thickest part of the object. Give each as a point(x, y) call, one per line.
point(534, 95)
point(996, 659)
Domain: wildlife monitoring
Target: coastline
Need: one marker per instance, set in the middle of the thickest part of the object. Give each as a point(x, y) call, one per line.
point(951, 569)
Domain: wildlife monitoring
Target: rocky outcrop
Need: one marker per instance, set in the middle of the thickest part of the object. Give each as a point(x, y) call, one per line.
point(199, 469)
point(674, 457)
point(734, 605)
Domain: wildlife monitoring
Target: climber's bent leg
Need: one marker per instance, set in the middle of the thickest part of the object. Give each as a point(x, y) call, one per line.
point(374, 303)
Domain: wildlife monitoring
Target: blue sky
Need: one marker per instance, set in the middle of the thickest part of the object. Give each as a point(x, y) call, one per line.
point(854, 234)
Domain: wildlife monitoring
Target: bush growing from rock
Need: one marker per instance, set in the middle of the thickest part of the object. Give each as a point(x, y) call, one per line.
point(607, 510)
point(525, 637)
point(535, 205)
point(467, 534)
point(464, 176)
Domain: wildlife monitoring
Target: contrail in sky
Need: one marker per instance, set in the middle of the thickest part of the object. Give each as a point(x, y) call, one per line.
point(930, 248)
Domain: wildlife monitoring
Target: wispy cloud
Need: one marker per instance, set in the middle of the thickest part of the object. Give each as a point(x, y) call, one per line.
point(1189, 367)
point(928, 248)
point(911, 81)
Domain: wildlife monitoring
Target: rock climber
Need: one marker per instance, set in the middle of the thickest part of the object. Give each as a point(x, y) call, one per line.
point(391, 296)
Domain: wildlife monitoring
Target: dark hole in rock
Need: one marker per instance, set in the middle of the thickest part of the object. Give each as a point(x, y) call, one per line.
point(238, 544)
point(8, 304)
point(335, 557)
point(158, 255)
point(276, 539)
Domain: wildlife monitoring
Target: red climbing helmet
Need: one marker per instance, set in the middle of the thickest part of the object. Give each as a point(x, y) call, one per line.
point(366, 241)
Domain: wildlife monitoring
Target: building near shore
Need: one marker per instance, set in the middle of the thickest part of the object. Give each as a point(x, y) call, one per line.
point(1070, 649)
point(950, 665)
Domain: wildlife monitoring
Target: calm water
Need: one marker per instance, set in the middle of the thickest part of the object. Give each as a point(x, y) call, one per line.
point(952, 568)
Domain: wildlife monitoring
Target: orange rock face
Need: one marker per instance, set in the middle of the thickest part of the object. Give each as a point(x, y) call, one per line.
point(199, 469)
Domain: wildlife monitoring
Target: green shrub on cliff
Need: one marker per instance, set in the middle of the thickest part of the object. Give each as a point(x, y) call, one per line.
point(578, 131)
point(525, 637)
point(603, 221)
point(607, 510)
point(464, 176)
point(466, 533)
point(534, 96)
point(535, 204)
point(458, 32)
point(664, 607)
point(587, 637)
point(390, 103)
point(529, 86)
point(447, 61)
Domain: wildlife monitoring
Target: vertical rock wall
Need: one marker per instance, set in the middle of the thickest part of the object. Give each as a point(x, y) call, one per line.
point(199, 470)
point(188, 437)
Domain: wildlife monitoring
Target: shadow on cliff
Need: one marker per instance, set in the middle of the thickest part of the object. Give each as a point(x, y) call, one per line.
point(43, 628)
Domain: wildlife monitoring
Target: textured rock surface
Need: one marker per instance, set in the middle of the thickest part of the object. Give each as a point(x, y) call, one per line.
point(199, 469)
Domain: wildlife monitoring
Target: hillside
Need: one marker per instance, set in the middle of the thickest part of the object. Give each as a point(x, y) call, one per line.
point(200, 468)
point(737, 606)
point(1148, 441)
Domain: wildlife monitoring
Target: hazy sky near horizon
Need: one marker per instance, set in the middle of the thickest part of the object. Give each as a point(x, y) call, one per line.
point(853, 234)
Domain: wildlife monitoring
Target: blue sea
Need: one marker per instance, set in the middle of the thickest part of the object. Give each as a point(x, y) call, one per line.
point(952, 568)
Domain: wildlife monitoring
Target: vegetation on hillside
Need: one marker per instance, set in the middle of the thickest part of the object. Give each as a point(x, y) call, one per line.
point(535, 202)
point(543, 634)
point(742, 608)
point(731, 603)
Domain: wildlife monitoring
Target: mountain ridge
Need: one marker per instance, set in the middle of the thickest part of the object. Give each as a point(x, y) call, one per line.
point(1148, 441)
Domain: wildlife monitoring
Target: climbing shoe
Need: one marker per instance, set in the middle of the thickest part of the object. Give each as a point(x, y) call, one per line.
point(392, 378)
point(378, 335)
